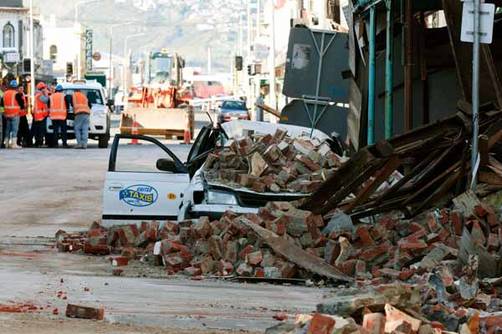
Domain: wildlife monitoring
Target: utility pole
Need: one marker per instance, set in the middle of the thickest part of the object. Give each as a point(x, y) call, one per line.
point(475, 94)
point(32, 57)
point(111, 55)
point(272, 79)
point(127, 64)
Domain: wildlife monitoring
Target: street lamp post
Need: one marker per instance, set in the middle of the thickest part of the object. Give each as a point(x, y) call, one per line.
point(111, 55)
point(124, 79)
point(76, 23)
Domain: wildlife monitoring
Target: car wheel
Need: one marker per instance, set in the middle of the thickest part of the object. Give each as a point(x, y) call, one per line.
point(103, 141)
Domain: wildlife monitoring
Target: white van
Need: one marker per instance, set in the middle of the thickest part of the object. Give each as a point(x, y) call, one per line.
point(99, 125)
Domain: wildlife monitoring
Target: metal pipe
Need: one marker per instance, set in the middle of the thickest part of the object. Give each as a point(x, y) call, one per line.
point(389, 73)
point(408, 67)
point(371, 79)
point(475, 94)
point(110, 74)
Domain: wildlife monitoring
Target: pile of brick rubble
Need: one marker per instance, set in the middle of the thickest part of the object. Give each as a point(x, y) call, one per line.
point(273, 163)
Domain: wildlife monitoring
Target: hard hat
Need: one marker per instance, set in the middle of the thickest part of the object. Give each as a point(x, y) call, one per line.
point(41, 86)
point(13, 84)
point(59, 88)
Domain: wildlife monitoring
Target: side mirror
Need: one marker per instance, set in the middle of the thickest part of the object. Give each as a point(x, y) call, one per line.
point(110, 103)
point(167, 165)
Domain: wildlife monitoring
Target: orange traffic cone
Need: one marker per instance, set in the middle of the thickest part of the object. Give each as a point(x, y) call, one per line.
point(134, 131)
point(187, 135)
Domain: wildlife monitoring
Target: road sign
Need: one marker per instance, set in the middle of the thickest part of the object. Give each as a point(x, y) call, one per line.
point(486, 17)
point(11, 57)
point(96, 56)
point(88, 50)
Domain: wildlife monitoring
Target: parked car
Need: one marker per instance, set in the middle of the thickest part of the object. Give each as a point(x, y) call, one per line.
point(232, 110)
point(99, 123)
point(119, 102)
point(165, 188)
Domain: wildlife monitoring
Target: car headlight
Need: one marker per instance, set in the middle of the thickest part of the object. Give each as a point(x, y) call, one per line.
point(217, 197)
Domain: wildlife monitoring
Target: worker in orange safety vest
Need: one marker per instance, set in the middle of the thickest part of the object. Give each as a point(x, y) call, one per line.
point(40, 113)
point(13, 103)
point(58, 112)
point(23, 132)
point(82, 111)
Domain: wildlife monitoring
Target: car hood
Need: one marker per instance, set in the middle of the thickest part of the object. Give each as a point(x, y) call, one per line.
point(237, 129)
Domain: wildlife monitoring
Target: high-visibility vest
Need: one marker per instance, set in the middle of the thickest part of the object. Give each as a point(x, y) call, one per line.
point(40, 111)
point(24, 111)
point(58, 107)
point(12, 108)
point(80, 103)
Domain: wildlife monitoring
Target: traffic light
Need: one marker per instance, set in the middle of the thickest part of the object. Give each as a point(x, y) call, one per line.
point(26, 65)
point(250, 69)
point(238, 63)
point(69, 69)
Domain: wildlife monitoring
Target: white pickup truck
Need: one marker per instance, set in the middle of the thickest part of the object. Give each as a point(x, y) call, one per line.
point(168, 189)
point(99, 122)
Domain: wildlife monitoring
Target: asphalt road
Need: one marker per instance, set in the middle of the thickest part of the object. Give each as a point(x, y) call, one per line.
point(44, 190)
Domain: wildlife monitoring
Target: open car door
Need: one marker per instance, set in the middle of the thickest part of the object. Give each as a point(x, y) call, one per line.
point(146, 188)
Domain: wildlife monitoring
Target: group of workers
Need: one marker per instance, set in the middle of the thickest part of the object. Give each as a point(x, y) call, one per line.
point(48, 105)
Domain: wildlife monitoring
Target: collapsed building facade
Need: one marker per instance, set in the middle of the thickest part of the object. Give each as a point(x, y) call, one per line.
point(408, 67)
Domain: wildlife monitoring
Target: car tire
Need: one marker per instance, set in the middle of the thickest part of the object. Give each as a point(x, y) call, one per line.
point(103, 141)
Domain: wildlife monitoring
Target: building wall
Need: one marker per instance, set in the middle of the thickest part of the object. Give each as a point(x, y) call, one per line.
point(67, 43)
point(16, 19)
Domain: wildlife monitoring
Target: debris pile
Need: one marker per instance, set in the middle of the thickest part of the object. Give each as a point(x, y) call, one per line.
point(401, 308)
point(282, 241)
point(273, 163)
point(436, 161)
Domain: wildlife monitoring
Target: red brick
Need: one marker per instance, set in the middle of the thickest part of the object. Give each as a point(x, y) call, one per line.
point(230, 251)
point(388, 222)
point(364, 236)
point(254, 258)
point(477, 234)
point(321, 324)
point(492, 219)
point(457, 222)
point(374, 323)
point(406, 274)
point(373, 252)
point(348, 267)
point(119, 261)
point(82, 312)
point(396, 318)
point(480, 211)
point(259, 272)
point(432, 223)
point(215, 247)
point(245, 251)
point(288, 270)
point(225, 268)
point(96, 249)
point(412, 245)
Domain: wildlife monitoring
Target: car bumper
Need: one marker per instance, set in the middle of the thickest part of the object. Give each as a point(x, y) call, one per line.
point(97, 125)
point(217, 210)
